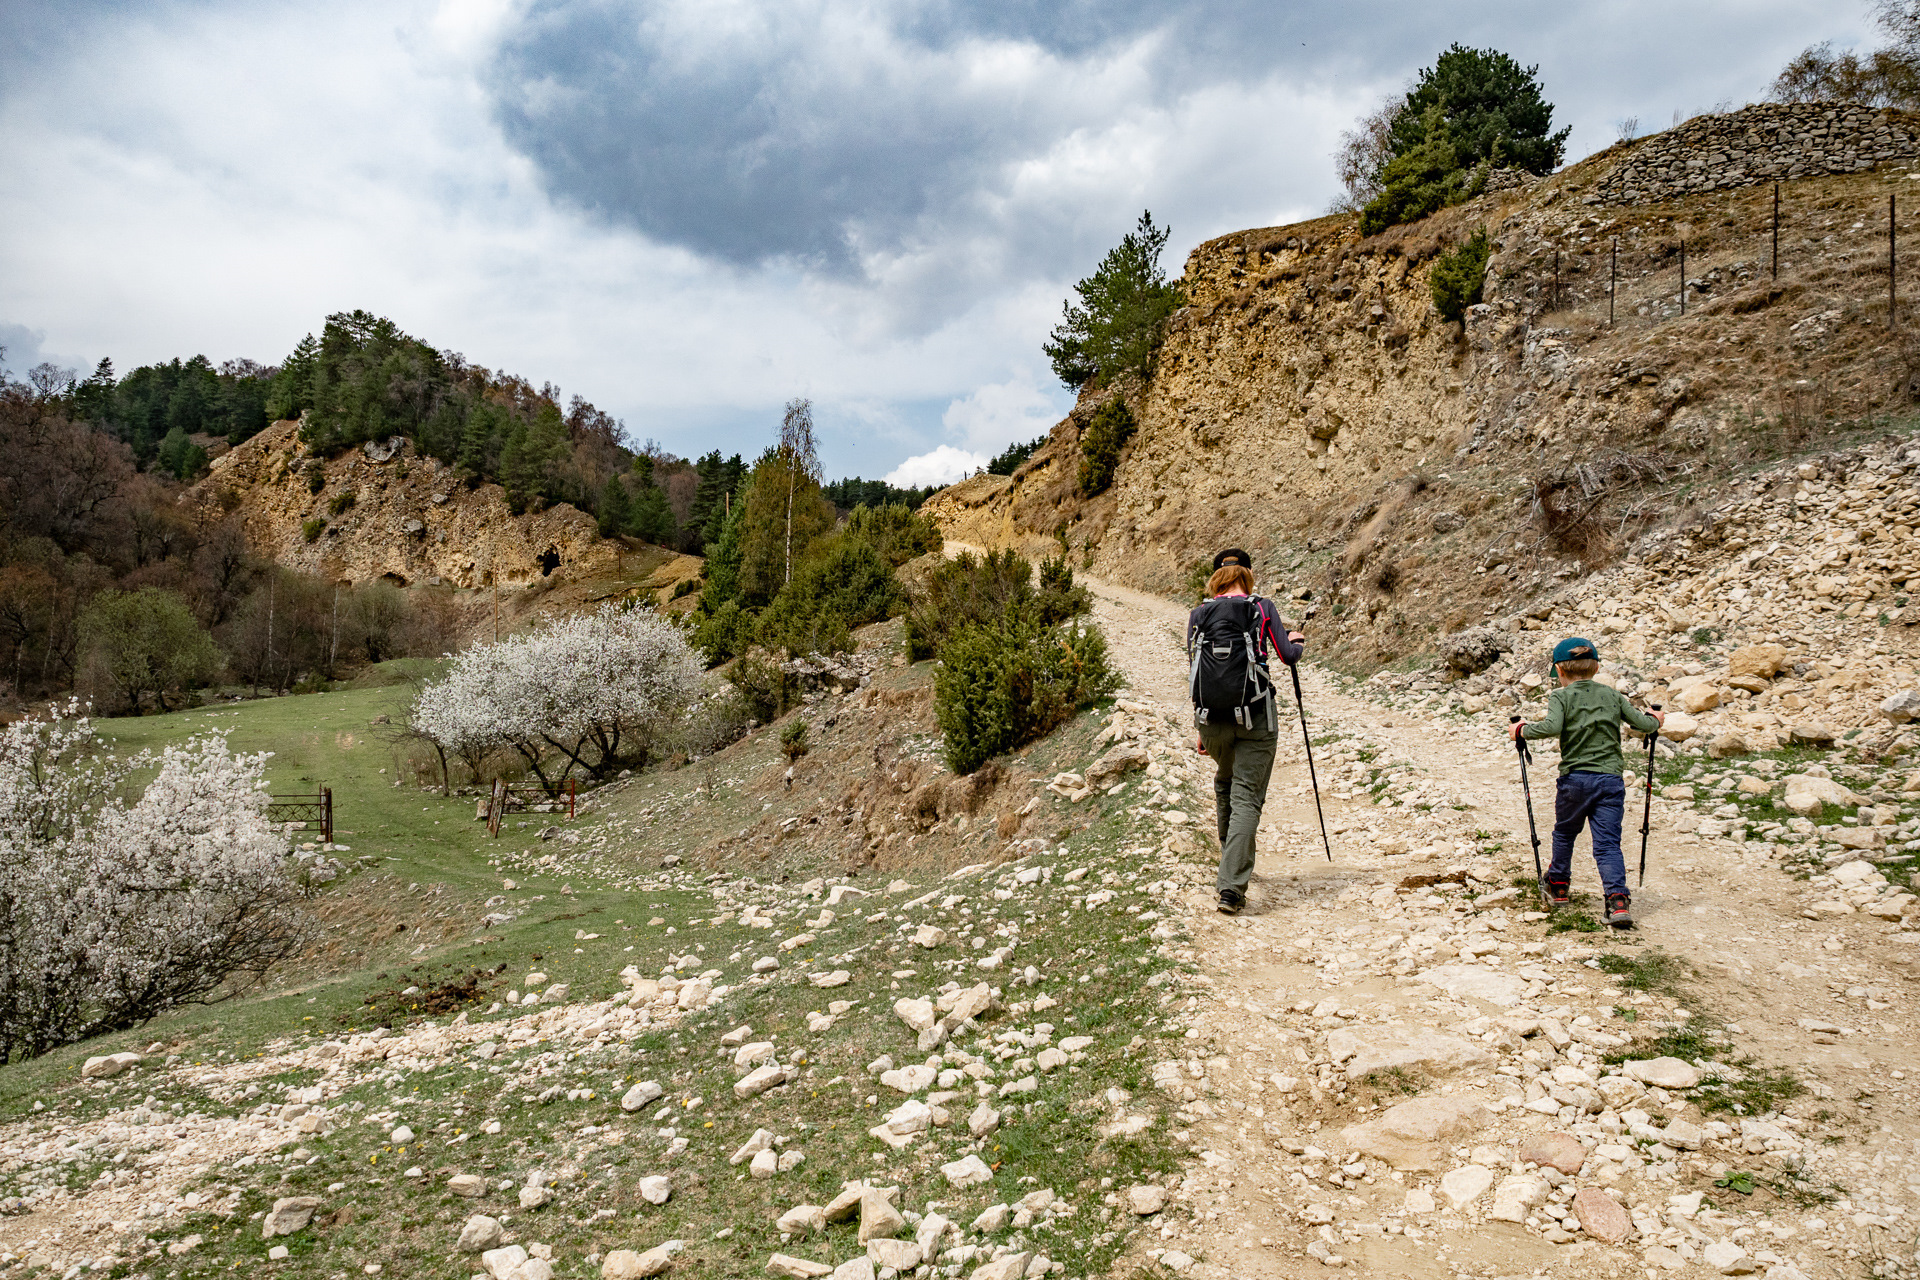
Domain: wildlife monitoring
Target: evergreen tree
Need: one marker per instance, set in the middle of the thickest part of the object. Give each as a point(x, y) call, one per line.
point(1122, 314)
point(1413, 185)
point(1493, 107)
point(615, 512)
point(292, 389)
point(179, 456)
point(652, 519)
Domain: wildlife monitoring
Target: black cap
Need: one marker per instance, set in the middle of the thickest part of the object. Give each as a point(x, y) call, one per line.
point(1233, 555)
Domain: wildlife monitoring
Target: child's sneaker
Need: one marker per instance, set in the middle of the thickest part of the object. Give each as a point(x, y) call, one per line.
point(1559, 893)
point(1619, 911)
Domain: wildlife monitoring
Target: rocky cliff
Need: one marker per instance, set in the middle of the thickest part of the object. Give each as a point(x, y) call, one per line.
point(1416, 475)
point(384, 511)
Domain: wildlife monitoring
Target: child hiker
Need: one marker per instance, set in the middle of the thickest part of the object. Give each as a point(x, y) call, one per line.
point(1586, 717)
point(1228, 639)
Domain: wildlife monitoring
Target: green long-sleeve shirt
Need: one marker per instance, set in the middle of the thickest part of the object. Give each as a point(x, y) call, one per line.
point(1586, 716)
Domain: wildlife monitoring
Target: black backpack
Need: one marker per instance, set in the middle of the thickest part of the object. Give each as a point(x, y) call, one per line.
point(1226, 647)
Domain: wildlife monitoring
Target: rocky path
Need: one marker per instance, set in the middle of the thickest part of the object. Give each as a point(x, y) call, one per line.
point(1395, 1065)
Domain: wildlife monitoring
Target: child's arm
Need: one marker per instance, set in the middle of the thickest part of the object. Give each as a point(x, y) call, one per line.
point(1548, 726)
point(1644, 721)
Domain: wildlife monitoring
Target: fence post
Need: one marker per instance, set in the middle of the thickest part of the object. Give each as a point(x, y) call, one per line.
point(1613, 279)
point(1556, 279)
point(496, 802)
point(1892, 298)
point(326, 814)
point(1776, 231)
point(573, 790)
point(1683, 277)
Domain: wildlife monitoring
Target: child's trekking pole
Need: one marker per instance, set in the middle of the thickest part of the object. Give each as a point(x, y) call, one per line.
point(1539, 876)
point(1301, 705)
point(1646, 814)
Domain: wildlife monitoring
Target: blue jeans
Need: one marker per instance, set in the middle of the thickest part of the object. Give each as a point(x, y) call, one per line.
point(1599, 799)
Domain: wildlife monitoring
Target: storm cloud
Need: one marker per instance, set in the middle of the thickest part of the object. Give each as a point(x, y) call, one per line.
point(691, 212)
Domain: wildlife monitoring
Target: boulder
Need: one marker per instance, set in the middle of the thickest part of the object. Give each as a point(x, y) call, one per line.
point(1474, 649)
point(1860, 838)
point(1466, 1184)
point(625, 1264)
point(854, 1269)
point(970, 1172)
point(1763, 660)
point(656, 1189)
point(288, 1215)
point(108, 1065)
point(504, 1262)
point(1515, 1195)
point(1812, 733)
point(1365, 1050)
point(1117, 763)
point(1013, 1266)
point(759, 1080)
point(640, 1095)
point(1696, 698)
point(1902, 707)
point(1600, 1215)
point(802, 1217)
point(469, 1185)
point(479, 1234)
point(792, 1268)
point(902, 1255)
point(1146, 1199)
point(929, 936)
point(1728, 1258)
point(1408, 1136)
point(1683, 1134)
point(760, 1141)
point(909, 1079)
point(1730, 743)
point(879, 1220)
point(1805, 793)
point(1560, 1151)
point(1679, 726)
point(1667, 1073)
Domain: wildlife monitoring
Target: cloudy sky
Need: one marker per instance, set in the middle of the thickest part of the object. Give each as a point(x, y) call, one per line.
point(690, 212)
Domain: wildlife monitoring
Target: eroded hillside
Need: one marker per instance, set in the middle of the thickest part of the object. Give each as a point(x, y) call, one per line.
point(385, 511)
point(1419, 475)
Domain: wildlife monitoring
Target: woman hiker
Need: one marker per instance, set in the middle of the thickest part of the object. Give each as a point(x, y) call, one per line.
point(1228, 642)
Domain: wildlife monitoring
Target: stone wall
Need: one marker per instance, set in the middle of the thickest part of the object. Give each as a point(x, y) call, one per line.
point(1762, 143)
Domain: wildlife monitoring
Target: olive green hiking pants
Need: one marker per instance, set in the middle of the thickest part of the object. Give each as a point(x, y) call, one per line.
point(1242, 762)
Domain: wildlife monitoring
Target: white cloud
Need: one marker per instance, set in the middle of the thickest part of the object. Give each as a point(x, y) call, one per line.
point(943, 465)
point(165, 195)
point(995, 415)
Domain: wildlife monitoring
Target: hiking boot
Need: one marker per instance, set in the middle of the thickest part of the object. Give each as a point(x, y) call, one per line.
point(1231, 902)
point(1619, 911)
point(1559, 893)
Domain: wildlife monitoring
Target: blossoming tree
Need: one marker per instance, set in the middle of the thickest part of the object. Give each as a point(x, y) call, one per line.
point(115, 908)
point(595, 692)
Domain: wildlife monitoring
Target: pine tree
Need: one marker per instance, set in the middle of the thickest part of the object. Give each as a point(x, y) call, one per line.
point(1122, 314)
point(615, 512)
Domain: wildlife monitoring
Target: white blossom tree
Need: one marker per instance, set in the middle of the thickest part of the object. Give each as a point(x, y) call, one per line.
point(115, 909)
point(598, 690)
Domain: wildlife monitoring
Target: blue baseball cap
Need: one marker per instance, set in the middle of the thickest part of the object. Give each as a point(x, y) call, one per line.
point(1574, 649)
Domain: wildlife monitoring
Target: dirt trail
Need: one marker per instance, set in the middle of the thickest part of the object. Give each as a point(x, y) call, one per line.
point(1342, 948)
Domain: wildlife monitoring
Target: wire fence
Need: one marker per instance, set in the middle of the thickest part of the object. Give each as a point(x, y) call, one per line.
point(1666, 268)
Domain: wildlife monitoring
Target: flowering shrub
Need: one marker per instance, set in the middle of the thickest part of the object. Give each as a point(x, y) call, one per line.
point(598, 690)
point(111, 911)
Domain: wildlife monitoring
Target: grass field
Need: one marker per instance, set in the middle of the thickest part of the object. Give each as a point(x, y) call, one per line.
point(586, 905)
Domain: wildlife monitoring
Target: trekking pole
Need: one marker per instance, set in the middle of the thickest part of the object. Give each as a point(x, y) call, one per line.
point(1539, 876)
point(1300, 705)
point(1646, 814)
